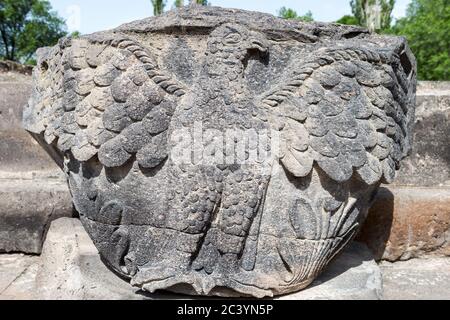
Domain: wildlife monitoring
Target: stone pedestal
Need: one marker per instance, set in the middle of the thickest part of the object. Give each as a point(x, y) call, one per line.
point(70, 268)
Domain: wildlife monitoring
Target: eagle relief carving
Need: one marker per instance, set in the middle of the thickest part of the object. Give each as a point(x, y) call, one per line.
point(222, 152)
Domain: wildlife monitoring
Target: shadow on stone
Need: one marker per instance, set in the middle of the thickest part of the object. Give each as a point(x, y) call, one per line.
point(376, 231)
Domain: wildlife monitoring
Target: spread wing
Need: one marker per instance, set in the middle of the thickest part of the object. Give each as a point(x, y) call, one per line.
point(346, 110)
point(103, 96)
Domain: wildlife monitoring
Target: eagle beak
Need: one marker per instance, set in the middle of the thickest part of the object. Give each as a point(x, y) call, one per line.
point(258, 42)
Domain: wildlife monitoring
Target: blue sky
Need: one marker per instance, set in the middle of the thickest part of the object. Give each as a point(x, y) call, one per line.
point(88, 16)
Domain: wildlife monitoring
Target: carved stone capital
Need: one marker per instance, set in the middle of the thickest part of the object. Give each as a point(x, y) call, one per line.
point(223, 152)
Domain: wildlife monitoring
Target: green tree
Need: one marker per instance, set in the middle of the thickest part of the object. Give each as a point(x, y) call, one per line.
point(201, 2)
point(427, 28)
point(26, 25)
point(158, 7)
point(288, 13)
point(308, 17)
point(179, 3)
point(348, 20)
point(374, 14)
point(75, 34)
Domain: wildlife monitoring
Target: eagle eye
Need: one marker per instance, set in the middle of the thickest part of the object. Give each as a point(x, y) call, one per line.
point(233, 38)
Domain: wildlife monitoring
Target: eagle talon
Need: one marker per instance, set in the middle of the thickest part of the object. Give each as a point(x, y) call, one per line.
point(160, 278)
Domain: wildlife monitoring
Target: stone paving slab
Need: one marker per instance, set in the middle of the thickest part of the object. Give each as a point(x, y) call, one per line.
point(417, 279)
point(15, 278)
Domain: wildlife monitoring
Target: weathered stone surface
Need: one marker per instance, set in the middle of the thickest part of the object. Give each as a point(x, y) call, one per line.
point(70, 268)
point(11, 66)
point(411, 219)
point(417, 279)
point(354, 275)
point(18, 160)
point(12, 268)
point(429, 163)
point(289, 129)
point(26, 209)
point(19, 152)
point(408, 222)
point(33, 190)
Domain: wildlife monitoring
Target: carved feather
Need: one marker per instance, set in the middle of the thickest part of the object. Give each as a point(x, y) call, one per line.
point(105, 96)
point(355, 103)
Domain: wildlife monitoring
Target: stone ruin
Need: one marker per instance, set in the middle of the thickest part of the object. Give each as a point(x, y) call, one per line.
point(223, 152)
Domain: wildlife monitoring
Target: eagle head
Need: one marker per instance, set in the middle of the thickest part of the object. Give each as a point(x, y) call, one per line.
point(237, 40)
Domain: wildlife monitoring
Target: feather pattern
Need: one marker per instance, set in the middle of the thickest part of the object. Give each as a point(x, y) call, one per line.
point(105, 96)
point(348, 110)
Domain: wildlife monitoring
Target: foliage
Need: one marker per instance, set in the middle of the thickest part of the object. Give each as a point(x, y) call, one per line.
point(427, 28)
point(26, 25)
point(75, 34)
point(158, 7)
point(367, 16)
point(201, 2)
point(348, 20)
point(288, 13)
point(179, 3)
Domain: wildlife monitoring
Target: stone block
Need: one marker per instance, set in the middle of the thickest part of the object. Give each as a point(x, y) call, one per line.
point(7, 66)
point(19, 152)
point(408, 222)
point(26, 209)
point(33, 190)
point(70, 268)
point(14, 94)
point(429, 163)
